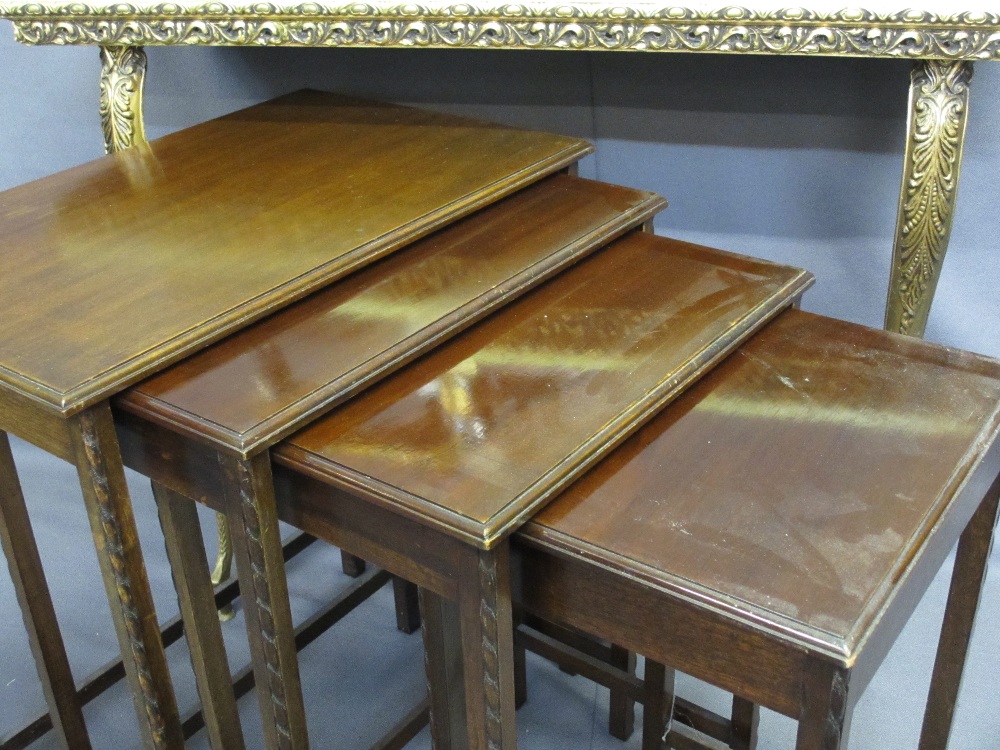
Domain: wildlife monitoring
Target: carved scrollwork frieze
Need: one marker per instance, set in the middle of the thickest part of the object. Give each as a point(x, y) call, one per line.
point(907, 34)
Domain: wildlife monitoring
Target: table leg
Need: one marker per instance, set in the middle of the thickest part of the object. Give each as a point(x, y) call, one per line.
point(825, 718)
point(407, 608)
point(745, 718)
point(39, 615)
point(352, 565)
point(658, 704)
point(487, 631)
point(123, 75)
point(102, 479)
point(264, 592)
point(621, 712)
point(939, 99)
point(443, 668)
point(189, 565)
point(971, 562)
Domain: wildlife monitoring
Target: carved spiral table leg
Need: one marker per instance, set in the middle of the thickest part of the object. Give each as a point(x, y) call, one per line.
point(939, 103)
point(123, 75)
point(252, 511)
point(487, 635)
point(102, 478)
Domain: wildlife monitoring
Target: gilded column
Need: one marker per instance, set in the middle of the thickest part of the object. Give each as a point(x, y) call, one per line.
point(939, 99)
point(123, 74)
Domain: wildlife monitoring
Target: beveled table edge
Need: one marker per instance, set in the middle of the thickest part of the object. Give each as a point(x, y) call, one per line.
point(104, 385)
point(845, 650)
point(546, 487)
point(295, 416)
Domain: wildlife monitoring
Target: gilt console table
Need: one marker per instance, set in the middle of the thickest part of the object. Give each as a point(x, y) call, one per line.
point(942, 38)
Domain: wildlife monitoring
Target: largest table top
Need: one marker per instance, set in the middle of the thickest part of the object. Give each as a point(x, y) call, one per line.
point(932, 29)
point(116, 268)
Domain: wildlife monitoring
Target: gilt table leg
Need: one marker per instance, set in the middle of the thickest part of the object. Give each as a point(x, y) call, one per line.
point(39, 615)
point(971, 563)
point(488, 648)
point(223, 562)
point(264, 592)
point(102, 478)
point(939, 99)
point(188, 563)
point(123, 75)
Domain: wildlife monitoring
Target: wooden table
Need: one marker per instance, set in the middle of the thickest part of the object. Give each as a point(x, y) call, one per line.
point(773, 529)
point(118, 268)
point(942, 39)
point(203, 429)
point(432, 469)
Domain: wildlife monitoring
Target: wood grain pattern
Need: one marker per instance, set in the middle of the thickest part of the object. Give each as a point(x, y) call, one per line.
point(187, 238)
point(478, 434)
point(23, 416)
point(794, 485)
point(263, 383)
point(443, 670)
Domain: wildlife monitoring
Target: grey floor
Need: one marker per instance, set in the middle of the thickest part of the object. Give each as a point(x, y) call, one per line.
point(363, 675)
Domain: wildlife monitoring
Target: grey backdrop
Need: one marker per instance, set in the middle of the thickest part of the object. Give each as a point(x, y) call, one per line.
point(797, 160)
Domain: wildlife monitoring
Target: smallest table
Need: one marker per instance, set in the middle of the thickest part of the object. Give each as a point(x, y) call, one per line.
point(772, 530)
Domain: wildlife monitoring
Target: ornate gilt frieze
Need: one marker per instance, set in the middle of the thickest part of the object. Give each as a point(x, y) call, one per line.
point(907, 33)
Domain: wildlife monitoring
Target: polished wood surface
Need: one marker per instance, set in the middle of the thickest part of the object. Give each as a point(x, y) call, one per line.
point(796, 484)
point(263, 382)
point(253, 388)
point(115, 268)
point(773, 529)
point(473, 437)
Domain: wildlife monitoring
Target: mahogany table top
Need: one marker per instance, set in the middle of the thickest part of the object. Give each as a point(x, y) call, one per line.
point(475, 436)
point(116, 268)
point(248, 391)
point(736, 495)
